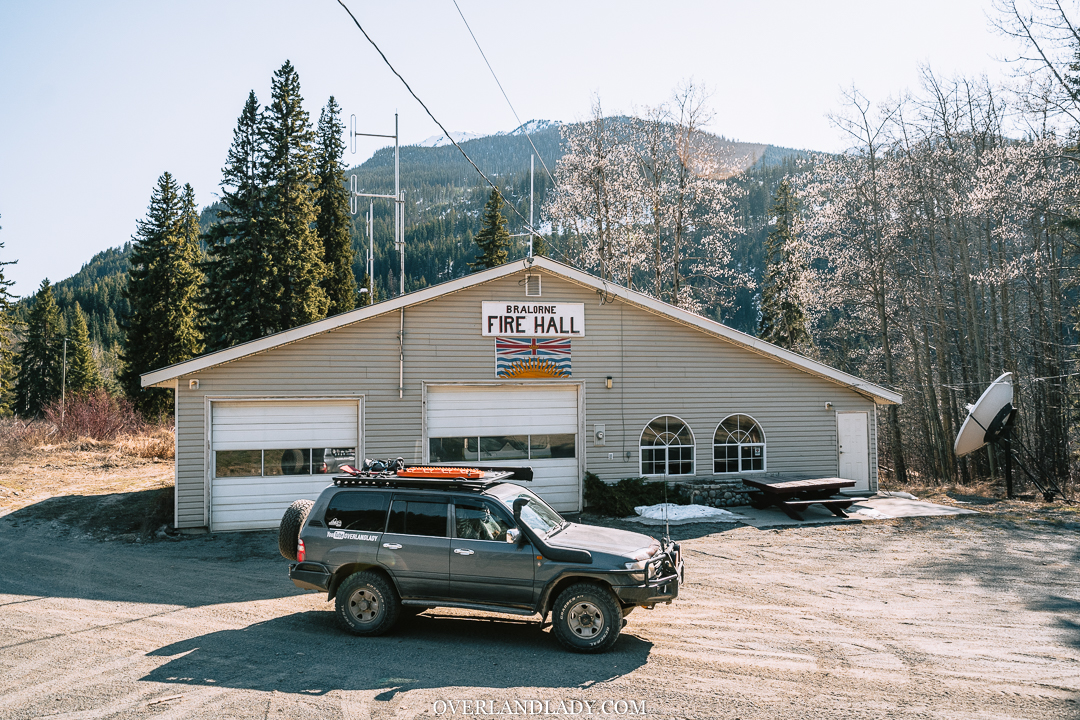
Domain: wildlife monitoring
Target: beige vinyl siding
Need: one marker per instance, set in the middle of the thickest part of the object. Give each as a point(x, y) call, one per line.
point(658, 367)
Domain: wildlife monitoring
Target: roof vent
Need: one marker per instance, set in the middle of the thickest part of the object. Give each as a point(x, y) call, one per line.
point(532, 285)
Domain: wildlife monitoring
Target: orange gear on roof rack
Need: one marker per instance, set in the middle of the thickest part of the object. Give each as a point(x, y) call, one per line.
point(441, 473)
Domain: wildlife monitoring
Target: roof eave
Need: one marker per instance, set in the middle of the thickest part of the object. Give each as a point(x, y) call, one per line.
point(164, 377)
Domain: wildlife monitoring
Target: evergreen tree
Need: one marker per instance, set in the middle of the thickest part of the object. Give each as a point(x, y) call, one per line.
point(539, 245)
point(238, 297)
point(7, 340)
point(783, 321)
point(163, 286)
point(288, 211)
point(332, 203)
point(40, 362)
point(82, 370)
point(493, 238)
point(366, 298)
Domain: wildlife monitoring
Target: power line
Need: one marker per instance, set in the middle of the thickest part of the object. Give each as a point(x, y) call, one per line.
point(436, 121)
point(516, 116)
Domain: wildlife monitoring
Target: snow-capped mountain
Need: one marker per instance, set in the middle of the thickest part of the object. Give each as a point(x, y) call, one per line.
point(531, 127)
point(440, 140)
point(534, 126)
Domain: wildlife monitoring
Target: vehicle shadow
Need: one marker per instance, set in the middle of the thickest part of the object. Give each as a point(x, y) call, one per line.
point(422, 652)
point(679, 532)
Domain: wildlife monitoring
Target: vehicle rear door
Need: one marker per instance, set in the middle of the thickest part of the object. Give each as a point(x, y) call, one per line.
point(483, 566)
point(353, 524)
point(415, 548)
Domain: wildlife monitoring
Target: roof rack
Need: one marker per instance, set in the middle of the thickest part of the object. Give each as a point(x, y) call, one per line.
point(426, 476)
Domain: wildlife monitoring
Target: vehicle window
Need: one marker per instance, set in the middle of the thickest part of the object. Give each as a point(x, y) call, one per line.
point(536, 513)
point(475, 520)
point(365, 511)
point(418, 517)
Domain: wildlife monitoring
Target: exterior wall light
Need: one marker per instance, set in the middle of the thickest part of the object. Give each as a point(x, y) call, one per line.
point(608, 382)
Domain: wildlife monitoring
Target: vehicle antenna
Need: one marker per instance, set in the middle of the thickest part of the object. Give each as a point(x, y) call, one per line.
point(667, 529)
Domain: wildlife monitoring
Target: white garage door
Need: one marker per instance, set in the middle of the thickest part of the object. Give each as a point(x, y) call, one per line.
point(267, 453)
point(511, 425)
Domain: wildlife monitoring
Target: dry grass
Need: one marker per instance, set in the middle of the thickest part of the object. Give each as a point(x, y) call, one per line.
point(989, 498)
point(36, 464)
point(20, 437)
point(157, 442)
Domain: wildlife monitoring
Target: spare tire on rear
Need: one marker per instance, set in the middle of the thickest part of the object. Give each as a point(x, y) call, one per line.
point(289, 530)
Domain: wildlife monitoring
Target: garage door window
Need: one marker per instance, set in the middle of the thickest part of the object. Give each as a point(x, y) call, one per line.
point(667, 447)
point(238, 463)
point(501, 447)
point(274, 463)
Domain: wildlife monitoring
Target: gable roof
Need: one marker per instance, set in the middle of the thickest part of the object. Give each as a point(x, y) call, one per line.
point(164, 377)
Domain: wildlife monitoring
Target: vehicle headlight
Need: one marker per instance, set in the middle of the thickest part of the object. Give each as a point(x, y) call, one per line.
point(641, 557)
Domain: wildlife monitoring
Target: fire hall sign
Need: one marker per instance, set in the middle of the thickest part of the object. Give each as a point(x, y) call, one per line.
point(516, 319)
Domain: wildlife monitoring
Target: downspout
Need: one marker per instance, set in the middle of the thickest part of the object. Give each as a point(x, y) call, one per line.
point(401, 356)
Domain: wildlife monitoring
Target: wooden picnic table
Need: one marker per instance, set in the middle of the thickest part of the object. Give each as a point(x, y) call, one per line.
point(794, 495)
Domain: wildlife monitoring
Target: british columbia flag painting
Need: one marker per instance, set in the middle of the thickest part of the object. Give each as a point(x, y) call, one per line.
point(532, 357)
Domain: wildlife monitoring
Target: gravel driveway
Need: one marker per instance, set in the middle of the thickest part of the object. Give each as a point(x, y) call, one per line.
point(963, 617)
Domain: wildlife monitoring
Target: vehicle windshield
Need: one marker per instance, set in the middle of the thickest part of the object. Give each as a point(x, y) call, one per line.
point(537, 514)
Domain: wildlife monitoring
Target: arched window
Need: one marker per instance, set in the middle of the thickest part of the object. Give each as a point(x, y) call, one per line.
point(739, 445)
point(667, 447)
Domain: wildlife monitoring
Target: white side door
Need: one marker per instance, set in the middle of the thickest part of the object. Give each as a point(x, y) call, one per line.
point(853, 439)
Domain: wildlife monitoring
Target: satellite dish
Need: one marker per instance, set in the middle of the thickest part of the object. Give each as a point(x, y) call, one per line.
point(989, 418)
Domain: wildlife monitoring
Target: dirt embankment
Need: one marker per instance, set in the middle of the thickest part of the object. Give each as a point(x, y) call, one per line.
point(103, 489)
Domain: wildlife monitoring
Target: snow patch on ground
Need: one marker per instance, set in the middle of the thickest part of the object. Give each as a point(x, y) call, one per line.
point(869, 512)
point(682, 514)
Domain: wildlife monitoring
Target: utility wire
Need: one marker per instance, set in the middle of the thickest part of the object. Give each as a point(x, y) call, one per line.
point(436, 121)
point(516, 116)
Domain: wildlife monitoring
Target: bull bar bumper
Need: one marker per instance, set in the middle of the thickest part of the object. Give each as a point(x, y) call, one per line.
point(662, 576)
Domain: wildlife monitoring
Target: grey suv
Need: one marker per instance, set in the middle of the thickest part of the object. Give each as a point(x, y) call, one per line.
point(384, 542)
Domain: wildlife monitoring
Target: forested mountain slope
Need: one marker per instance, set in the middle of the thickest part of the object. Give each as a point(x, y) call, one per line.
point(444, 197)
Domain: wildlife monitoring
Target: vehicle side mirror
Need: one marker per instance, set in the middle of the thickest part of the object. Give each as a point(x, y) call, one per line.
point(518, 504)
point(513, 535)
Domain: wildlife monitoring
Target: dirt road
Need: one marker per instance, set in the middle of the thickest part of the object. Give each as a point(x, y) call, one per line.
point(963, 617)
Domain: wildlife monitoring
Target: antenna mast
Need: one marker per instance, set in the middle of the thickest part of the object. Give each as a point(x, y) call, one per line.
point(532, 175)
point(397, 200)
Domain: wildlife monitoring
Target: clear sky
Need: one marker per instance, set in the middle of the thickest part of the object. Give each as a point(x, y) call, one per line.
point(97, 99)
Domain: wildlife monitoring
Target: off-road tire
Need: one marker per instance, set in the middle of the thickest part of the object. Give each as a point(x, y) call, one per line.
point(289, 529)
point(586, 618)
point(367, 604)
